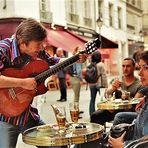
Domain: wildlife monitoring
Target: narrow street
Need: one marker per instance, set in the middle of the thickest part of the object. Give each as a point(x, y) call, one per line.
point(43, 104)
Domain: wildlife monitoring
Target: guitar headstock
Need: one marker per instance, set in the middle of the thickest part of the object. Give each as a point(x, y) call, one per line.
point(92, 45)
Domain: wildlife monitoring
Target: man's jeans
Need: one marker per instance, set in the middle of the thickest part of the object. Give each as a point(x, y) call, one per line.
point(93, 92)
point(124, 117)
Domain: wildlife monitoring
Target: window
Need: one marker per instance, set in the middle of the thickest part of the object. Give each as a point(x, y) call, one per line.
point(100, 6)
point(119, 18)
point(71, 6)
point(45, 14)
point(86, 8)
point(73, 18)
point(133, 2)
point(110, 14)
point(130, 21)
point(87, 22)
point(87, 13)
point(139, 4)
point(43, 5)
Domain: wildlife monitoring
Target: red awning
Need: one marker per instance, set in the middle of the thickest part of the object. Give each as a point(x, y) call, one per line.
point(8, 26)
point(64, 39)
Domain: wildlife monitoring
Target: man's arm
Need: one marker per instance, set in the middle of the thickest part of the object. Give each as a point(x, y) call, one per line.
point(26, 83)
point(113, 87)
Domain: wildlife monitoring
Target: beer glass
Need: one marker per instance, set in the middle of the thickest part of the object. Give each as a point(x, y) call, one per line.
point(61, 118)
point(74, 111)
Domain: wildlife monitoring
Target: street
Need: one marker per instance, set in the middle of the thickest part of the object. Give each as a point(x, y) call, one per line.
point(44, 102)
point(46, 112)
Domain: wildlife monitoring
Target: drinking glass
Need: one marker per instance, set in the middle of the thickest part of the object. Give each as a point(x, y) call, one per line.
point(74, 111)
point(61, 118)
point(126, 95)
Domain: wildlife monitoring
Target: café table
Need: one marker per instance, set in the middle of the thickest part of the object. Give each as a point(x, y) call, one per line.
point(48, 135)
point(117, 104)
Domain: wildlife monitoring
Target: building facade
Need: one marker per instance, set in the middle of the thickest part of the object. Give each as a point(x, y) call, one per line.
point(144, 29)
point(79, 17)
point(134, 25)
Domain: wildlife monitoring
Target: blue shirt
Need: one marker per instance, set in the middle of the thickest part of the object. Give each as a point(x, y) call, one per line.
point(141, 122)
point(77, 70)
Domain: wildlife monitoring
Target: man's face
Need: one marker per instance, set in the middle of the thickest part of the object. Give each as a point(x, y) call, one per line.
point(143, 73)
point(32, 48)
point(128, 67)
point(59, 52)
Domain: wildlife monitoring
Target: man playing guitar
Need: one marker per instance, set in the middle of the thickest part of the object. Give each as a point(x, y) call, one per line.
point(22, 76)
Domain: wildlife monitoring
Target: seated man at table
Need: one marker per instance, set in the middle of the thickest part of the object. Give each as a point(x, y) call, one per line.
point(129, 83)
point(141, 122)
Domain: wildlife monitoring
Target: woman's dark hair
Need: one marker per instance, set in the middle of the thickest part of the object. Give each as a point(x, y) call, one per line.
point(144, 56)
point(30, 30)
point(96, 57)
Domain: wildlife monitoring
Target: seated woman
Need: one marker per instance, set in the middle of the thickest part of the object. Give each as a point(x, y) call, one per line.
point(141, 122)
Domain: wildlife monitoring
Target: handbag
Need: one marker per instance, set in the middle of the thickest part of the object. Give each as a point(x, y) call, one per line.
point(117, 130)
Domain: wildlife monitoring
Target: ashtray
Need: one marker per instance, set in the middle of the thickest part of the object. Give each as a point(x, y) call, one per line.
point(80, 128)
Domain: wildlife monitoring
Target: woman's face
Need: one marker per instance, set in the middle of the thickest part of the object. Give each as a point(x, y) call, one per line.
point(143, 73)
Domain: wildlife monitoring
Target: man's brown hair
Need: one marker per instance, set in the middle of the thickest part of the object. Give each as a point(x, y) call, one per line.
point(130, 59)
point(30, 30)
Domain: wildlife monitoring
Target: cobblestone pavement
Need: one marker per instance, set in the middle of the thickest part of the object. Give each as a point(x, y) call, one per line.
point(43, 104)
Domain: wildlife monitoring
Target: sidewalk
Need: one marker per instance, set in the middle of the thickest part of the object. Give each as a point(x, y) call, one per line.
point(46, 111)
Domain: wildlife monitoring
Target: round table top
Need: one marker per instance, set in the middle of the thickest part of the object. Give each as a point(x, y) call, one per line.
point(116, 105)
point(49, 135)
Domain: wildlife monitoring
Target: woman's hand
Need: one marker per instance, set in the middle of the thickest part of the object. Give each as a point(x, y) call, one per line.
point(116, 142)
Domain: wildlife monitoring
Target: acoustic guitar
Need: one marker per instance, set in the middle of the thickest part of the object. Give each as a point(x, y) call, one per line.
point(14, 101)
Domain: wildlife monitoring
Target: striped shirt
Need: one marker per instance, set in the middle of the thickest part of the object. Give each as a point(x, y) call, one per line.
point(10, 57)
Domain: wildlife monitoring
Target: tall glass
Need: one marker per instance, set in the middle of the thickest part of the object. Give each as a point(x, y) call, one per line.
point(74, 111)
point(61, 118)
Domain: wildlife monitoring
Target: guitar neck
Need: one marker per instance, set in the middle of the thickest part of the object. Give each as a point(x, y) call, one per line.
point(56, 68)
point(90, 47)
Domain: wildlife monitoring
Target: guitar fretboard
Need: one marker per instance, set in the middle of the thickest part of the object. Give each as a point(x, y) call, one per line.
point(90, 48)
point(56, 68)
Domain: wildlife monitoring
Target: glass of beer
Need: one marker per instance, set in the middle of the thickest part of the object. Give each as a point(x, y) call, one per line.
point(61, 118)
point(74, 111)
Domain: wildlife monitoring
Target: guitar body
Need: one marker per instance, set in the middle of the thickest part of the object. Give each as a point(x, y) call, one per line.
point(13, 101)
